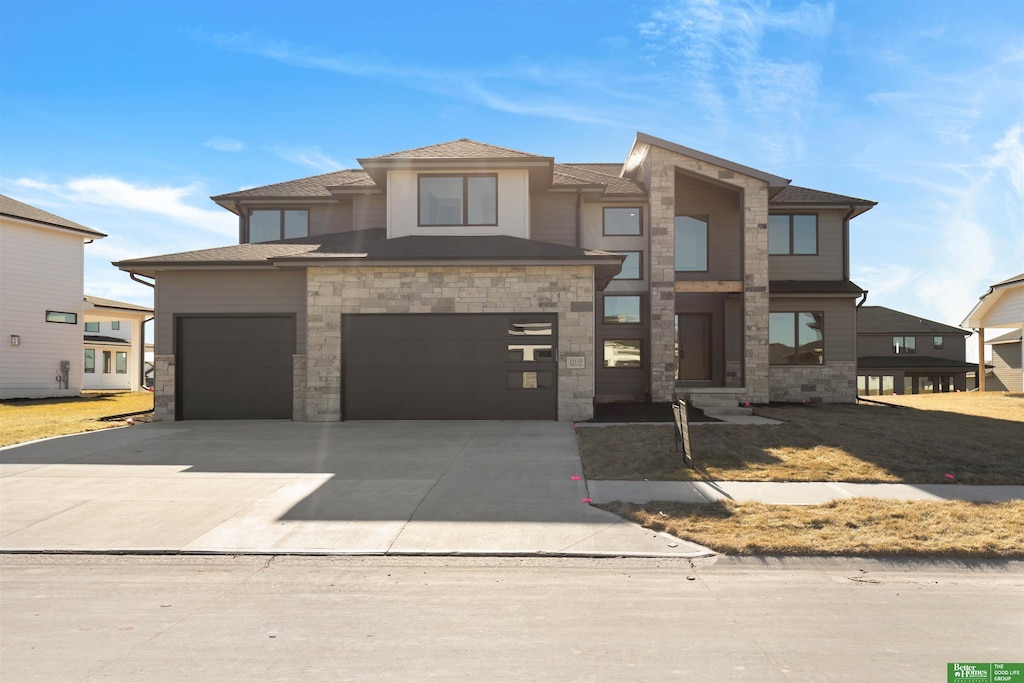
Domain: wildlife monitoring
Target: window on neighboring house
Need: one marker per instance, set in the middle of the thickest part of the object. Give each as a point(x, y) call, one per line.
point(796, 338)
point(904, 344)
point(691, 243)
point(267, 225)
point(122, 362)
point(92, 327)
point(622, 220)
point(632, 268)
point(116, 325)
point(622, 309)
point(938, 343)
point(623, 353)
point(106, 362)
point(62, 317)
point(458, 200)
point(793, 234)
point(90, 360)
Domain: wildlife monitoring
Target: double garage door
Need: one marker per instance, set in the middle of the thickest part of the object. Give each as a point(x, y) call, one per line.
point(394, 367)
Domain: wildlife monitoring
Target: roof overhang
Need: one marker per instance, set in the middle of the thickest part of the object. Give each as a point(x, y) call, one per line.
point(541, 169)
point(83, 232)
point(1011, 316)
point(855, 208)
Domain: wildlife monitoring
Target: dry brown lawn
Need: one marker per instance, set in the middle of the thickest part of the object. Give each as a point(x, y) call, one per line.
point(858, 527)
point(30, 419)
point(976, 438)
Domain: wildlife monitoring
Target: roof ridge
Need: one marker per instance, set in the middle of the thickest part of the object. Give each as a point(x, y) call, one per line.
point(408, 152)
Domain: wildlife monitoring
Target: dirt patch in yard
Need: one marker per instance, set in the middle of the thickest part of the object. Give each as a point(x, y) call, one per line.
point(857, 527)
point(975, 440)
point(24, 420)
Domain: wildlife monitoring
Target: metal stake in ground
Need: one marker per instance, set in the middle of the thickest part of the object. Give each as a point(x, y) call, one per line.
point(682, 421)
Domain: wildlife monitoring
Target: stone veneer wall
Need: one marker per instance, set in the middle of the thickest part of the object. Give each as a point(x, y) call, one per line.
point(829, 383)
point(163, 389)
point(334, 291)
point(299, 387)
point(661, 166)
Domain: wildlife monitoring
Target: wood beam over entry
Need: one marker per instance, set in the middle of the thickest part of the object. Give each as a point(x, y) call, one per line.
point(709, 286)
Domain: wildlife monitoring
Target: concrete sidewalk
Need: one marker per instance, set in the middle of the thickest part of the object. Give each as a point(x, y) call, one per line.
point(789, 493)
point(385, 488)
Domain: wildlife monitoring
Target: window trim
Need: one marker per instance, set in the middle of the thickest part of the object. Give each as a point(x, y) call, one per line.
point(465, 200)
point(73, 316)
point(115, 325)
point(796, 338)
point(907, 349)
point(623, 295)
point(817, 234)
point(280, 224)
point(706, 219)
point(108, 359)
point(640, 346)
point(118, 355)
point(87, 366)
point(640, 264)
point(604, 221)
point(97, 327)
point(938, 343)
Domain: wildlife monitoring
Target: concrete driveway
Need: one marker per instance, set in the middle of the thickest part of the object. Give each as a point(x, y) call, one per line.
point(290, 487)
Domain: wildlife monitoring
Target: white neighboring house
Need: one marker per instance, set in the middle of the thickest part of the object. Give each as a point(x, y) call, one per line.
point(114, 351)
point(41, 304)
point(1002, 306)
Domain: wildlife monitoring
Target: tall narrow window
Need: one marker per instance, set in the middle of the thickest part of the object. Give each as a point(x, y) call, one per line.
point(458, 200)
point(691, 243)
point(122, 362)
point(793, 234)
point(106, 362)
point(796, 338)
point(90, 360)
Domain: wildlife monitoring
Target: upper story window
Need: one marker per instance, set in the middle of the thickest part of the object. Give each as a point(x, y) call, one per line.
point(62, 317)
point(691, 243)
point(92, 327)
point(622, 309)
point(267, 225)
point(938, 343)
point(632, 267)
point(116, 325)
point(793, 234)
point(904, 344)
point(458, 200)
point(796, 338)
point(622, 221)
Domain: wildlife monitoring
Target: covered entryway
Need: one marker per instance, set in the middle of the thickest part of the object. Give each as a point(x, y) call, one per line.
point(234, 367)
point(449, 367)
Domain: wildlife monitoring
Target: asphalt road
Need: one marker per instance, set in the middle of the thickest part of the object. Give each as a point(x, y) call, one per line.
point(252, 618)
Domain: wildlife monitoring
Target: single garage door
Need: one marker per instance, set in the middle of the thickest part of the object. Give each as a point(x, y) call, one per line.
point(235, 368)
point(449, 367)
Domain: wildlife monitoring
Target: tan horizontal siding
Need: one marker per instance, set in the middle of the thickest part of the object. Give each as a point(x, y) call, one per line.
point(826, 265)
point(840, 323)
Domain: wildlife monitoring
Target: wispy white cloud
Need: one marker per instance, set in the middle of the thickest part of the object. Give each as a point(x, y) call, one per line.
point(312, 157)
point(225, 144)
point(113, 193)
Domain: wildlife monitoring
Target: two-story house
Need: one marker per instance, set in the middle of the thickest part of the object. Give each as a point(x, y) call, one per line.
point(113, 344)
point(463, 280)
point(900, 353)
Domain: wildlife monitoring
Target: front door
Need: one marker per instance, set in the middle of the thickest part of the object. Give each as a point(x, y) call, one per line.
point(693, 335)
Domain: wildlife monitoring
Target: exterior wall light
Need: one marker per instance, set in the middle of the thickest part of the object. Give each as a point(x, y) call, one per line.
point(15, 340)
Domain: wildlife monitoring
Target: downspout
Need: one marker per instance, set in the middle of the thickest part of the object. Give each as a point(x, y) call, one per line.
point(142, 354)
point(135, 276)
point(863, 298)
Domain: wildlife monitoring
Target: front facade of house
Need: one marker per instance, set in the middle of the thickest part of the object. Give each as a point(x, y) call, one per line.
point(1002, 306)
point(113, 350)
point(900, 353)
point(464, 280)
point(41, 305)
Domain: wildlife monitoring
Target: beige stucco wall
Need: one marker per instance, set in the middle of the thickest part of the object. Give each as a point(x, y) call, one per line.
point(332, 292)
point(513, 206)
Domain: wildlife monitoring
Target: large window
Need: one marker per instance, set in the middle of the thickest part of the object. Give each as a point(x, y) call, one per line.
point(90, 360)
point(267, 225)
point(793, 234)
point(92, 327)
point(796, 338)
point(622, 221)
point(459, 200)
point(632, 267)
point(691, 243)
point(622, 309)
point(122, 362)
point(904, 344)
point(62, 317)
point(623, 353)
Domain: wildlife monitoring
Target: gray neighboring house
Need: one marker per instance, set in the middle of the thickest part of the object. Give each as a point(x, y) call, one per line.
point(463, 280)
point(899, 353)
point(1002, 306)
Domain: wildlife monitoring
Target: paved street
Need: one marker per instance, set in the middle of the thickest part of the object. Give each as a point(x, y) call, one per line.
point(166, 618)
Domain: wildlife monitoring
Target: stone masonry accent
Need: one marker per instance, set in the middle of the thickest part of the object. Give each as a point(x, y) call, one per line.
point(829, 383)
point(661, 165)
point(299, 387)
point(334, 291)
point(163, 390)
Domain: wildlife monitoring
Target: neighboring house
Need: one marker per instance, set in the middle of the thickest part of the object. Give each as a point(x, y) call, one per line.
point(114, 349)
point(900, 353)
point(41, 306)
point(1002, 306)
point(463, 280)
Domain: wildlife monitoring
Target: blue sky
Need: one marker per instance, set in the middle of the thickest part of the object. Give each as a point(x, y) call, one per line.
point(127, 116)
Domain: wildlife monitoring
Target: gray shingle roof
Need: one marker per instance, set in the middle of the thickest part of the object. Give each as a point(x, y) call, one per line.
point(1007, 338)
point(463, 148)
point(813, 287)
point(313, 186)
point(596, 174)
point(15, 209)
point(112, 303)
point(101, 339)
point(882, 320)
point(1010, 280)
point(914, 362)
point(793, 194)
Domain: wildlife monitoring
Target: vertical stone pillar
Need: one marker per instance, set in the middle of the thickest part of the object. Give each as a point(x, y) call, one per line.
point(662, 188)
point(755, 292)
point(163, 390)
point(323, 345)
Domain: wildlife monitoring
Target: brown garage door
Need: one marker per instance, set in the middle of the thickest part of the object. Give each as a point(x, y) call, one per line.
point(449, 367)
point(234, 368)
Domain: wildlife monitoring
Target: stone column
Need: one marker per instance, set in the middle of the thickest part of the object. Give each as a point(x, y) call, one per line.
point(662, 188)
point(755, 292)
